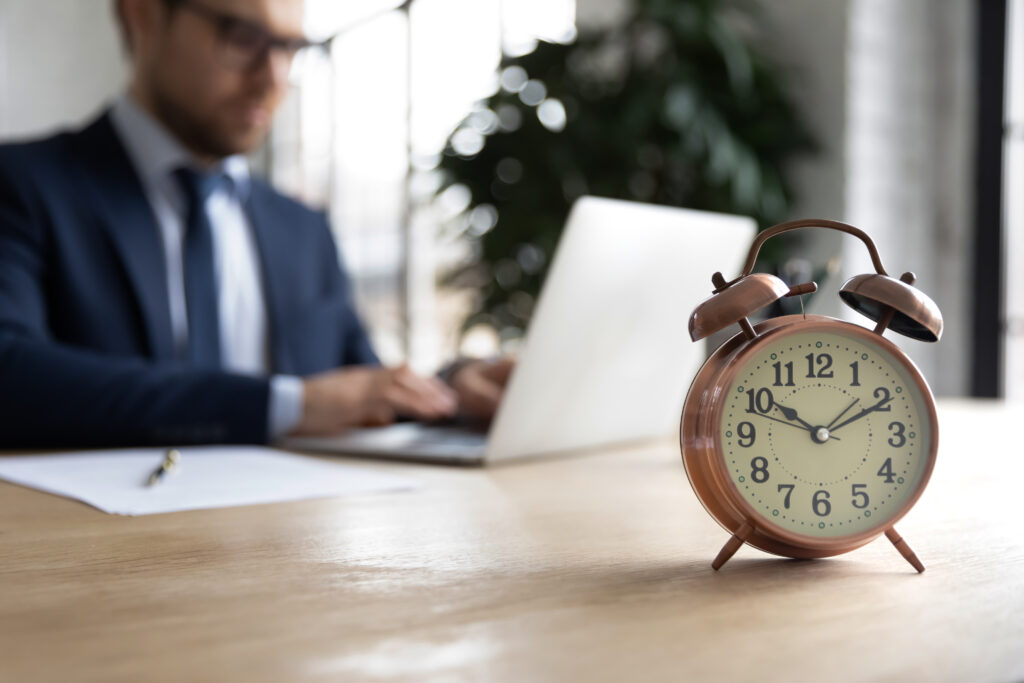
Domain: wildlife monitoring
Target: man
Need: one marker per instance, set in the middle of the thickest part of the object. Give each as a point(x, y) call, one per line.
point(152, 292)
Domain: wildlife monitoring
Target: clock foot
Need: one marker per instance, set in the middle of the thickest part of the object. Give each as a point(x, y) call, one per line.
point(904, 549)
point(732, 545)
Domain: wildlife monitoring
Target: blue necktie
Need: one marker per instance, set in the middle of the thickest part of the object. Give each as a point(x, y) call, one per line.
point(200, 283)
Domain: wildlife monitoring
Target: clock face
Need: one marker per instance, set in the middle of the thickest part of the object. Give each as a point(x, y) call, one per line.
point(825, 433)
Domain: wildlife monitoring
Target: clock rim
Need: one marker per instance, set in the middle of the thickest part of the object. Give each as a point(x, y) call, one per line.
point(703, 454)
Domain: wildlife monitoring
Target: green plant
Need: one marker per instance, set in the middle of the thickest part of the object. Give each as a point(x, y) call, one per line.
point(674, 107)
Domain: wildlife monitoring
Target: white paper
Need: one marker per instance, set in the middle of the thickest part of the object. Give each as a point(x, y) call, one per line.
point(209, 477)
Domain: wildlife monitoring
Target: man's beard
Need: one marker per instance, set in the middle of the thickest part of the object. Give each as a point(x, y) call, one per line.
point(198, 137)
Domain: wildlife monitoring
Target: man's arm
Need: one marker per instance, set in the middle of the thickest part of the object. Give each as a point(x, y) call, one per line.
point(53, 394)
point(56, 396)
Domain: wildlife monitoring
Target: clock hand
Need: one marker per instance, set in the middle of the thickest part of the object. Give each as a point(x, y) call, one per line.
point(818, 434)
point(829, 425)
point(788, 424)
point(790, 414)
point(870, 409)
point(769, 417)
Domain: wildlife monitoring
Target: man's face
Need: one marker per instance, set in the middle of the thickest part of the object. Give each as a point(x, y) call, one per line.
point(189, 69)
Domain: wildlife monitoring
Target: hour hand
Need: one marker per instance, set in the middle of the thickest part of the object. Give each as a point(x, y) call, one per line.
point(818, 434)
point(790, 414)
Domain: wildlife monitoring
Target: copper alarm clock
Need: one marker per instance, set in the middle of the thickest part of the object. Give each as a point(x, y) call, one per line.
point(803, 435)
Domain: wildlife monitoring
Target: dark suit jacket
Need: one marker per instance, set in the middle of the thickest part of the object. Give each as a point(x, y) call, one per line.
point(86, 352)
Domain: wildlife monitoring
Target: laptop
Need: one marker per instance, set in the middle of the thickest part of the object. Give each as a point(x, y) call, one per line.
point(607, 357)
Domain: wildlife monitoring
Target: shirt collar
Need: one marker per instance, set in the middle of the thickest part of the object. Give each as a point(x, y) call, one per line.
point(156, 153)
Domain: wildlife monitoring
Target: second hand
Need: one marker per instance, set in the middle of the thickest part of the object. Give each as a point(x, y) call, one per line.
point(845, 410)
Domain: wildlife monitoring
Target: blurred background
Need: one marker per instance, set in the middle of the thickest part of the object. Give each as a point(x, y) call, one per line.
point(447, 140)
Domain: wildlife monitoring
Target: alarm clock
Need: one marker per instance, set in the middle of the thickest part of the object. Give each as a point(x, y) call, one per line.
point(803, 435)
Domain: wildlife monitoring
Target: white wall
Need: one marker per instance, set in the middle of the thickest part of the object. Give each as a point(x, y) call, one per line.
point(596, 14)
point(60, 60)
point(808, 40)
point(886, 86)
point(910, 161)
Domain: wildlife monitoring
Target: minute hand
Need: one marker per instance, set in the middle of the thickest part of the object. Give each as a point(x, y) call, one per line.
point(870, 409)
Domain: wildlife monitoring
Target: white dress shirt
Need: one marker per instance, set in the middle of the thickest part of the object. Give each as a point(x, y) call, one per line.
point(241, 305)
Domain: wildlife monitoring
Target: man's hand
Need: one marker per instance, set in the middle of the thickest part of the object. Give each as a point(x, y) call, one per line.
point(480, 385)
point(336, 400)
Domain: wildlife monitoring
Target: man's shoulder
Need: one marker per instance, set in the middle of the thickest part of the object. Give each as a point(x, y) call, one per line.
point(55, 152)
point(29, 167)
point(30, 152)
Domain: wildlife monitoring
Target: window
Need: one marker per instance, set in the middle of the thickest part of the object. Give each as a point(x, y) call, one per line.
point(364, 129)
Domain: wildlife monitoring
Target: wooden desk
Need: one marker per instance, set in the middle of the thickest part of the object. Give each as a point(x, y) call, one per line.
point(588, 568)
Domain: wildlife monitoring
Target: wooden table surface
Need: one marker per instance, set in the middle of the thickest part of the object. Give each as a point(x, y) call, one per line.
point(583, 568)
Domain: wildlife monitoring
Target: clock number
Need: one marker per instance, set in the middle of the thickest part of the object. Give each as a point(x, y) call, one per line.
point(746, 430)
point(789, 492)
point(759, 470)
point(883, 396)
point(897, 439)
point(824, 362)
point(856, 374)
point(820, 503)
point(761, 401)
point(863, 497)
point(886, 471)
point(778, 374)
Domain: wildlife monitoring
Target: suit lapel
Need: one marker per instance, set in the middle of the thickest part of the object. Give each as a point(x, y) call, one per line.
point(272, 245)
point(129, 221)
